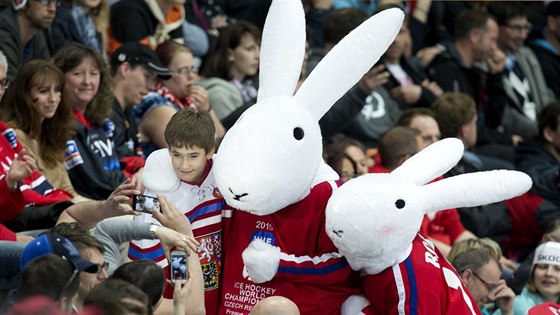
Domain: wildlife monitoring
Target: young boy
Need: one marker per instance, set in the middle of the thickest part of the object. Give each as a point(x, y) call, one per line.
point(191, 144)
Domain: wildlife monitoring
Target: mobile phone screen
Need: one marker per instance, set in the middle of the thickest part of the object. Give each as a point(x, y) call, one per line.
point(144, 203)
point(179, 270)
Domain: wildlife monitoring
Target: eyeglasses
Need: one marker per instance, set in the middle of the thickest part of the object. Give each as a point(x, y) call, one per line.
point(520, 28)
point(186, 71)
point(97, 268)
point(489, 286)
point(4, 84)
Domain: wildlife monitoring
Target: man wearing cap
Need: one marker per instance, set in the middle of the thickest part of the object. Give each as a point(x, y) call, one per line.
point(134, 68)
point(22, 32)
point(33, 283)
point(89, 248)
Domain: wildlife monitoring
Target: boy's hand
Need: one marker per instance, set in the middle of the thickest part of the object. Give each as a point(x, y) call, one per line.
point(171, 217)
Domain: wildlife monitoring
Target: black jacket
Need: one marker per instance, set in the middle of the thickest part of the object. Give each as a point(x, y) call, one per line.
point(532, 158)
point(92, 162)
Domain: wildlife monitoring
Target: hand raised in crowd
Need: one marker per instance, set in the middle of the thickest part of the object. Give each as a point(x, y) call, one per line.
point(496, 61)
point(118, 202)
point(433, 87)
point(375, 77)
point(22, 167)
point(503, 296)
point(171, 217)
point(427, 54)
point(407, 94)
point(170, 238)
point(199, 97)
point(180, 295)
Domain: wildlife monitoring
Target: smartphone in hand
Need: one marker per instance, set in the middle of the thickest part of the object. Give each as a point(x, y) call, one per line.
point(145, 203)
point(178, 265)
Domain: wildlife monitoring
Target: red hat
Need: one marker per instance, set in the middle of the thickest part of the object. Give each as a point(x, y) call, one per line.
point(547, 308)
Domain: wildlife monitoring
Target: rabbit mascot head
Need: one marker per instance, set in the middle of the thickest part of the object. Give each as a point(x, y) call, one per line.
point(271, 157)
point(374, 218)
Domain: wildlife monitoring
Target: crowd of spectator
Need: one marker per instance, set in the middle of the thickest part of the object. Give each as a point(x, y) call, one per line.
point(89, 89)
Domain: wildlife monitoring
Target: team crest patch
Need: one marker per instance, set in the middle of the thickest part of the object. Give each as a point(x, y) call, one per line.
point(72, 157)
point(216, 193)
point(209, 254)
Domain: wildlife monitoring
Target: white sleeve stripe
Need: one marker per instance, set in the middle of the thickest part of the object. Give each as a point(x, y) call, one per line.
point(207, 221)
point(315, 260)
point(226, 213)
point(400, 288)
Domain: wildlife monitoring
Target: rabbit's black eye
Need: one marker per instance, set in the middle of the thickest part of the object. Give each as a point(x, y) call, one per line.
point(298, 133)
point(400, 204)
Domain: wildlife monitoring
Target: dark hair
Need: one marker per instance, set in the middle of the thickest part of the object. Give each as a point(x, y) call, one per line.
point(188, 128)
point(395, 144)
point(72, 55)
point(406, 117)
point(473, 259)
point(117, 297)
point(48, 275)
point(341, 22)
point(549, 117)
point(218, 64)
point(504, 11)
point(168, 49)
point(19, 110)
point(146, 275)
point(468, 20)
point(453, 110)
point(78, 235)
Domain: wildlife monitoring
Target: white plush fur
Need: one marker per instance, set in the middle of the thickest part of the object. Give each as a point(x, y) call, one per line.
point(373, 233)
point(159, 176)
point(261, 260)
point(261, 167)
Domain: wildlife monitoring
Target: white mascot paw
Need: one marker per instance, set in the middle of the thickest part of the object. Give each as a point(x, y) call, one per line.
point(261, 260)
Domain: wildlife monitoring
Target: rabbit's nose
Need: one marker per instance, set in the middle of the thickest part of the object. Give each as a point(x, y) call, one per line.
point(236, 196)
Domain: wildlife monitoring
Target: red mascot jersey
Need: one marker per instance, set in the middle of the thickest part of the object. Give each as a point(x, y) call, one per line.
point(313, 274)
point(425, 283)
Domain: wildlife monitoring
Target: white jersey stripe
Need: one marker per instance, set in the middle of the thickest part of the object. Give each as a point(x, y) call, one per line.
point(208, 221)
point(400, 288)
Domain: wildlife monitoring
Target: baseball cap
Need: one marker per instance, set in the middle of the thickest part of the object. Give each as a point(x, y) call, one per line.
point(52, 243)
point(547, 308)
point(136, 53)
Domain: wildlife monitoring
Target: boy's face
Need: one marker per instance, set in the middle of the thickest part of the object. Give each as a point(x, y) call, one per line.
point(189, 163)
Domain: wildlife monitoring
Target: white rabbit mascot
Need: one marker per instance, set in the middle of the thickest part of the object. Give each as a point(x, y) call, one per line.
point(269, 169)
point(374, 221)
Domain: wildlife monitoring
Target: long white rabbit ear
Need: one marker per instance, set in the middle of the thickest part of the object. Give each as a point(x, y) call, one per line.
point(474, 189)
point(348, 61)
point(435, 160)
point(282, 49)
